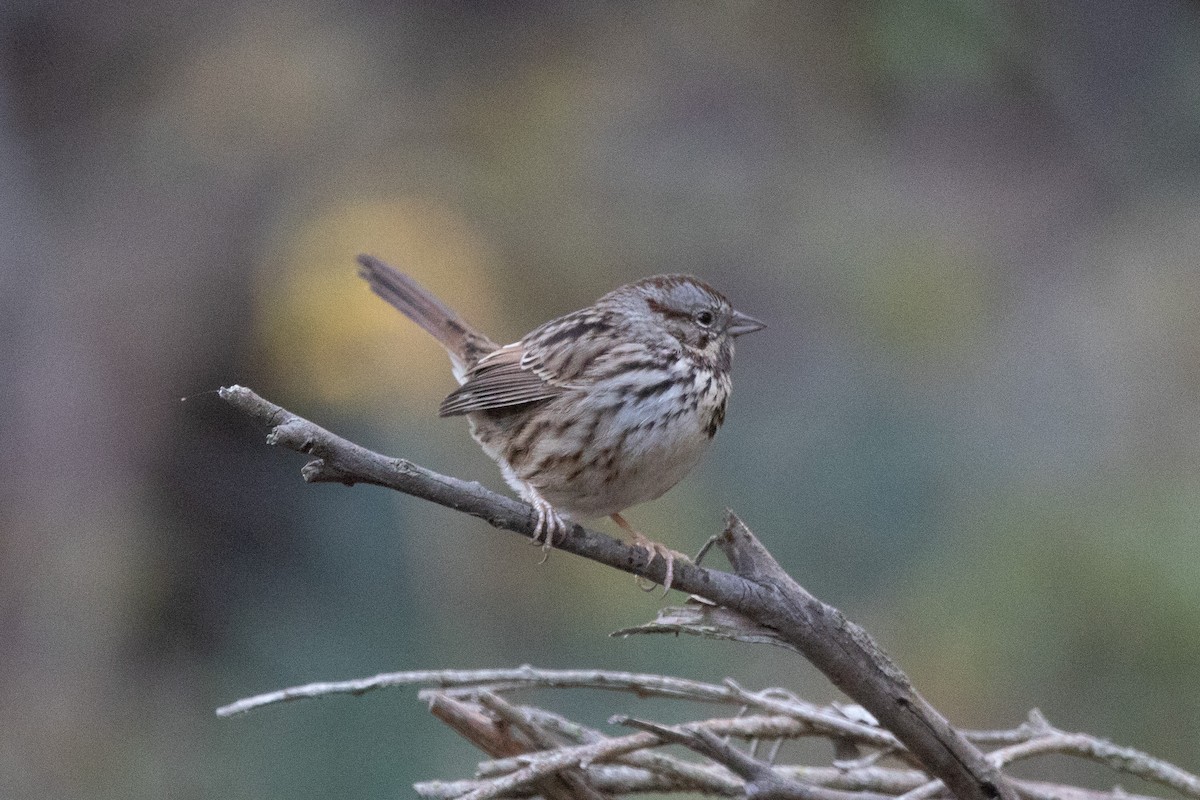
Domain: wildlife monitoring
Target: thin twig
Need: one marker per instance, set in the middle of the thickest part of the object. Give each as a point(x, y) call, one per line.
point(534, 766)
point(619, 780)
point(1093, 748)
point(1051, 740)
point(762, 780)
point(642, 684)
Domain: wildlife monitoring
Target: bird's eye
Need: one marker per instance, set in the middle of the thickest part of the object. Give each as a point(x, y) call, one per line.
point(704, 318)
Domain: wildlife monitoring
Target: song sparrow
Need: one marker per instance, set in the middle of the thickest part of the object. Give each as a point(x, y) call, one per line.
point(596, 411)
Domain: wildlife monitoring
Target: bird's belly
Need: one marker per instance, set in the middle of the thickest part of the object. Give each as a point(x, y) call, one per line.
point(636, 453)
point(651, 468)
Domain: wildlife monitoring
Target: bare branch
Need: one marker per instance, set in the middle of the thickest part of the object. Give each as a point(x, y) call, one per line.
point(764, 602)
point(496, 739)
point(1041, 739)
point(1121, 759)
point(666, 772)
point(773, 701)
point(706, 619)
point(534, 766)
point(760, 590)
point(623, 780)
point(576, 783)
point(763, 781)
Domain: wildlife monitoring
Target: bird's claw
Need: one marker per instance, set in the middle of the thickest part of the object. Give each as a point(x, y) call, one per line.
point(655, 550)
point(548, 527)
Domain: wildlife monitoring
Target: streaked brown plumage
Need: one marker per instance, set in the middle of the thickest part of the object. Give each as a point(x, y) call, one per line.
point(596, 411)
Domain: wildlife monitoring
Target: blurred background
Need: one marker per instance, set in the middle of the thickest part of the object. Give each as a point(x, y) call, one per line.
point(973, 423)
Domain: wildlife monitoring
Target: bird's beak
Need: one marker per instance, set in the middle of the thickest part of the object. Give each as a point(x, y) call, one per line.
point(744, 323)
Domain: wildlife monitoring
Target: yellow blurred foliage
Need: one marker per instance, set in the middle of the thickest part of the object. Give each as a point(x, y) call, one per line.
point(329, 340)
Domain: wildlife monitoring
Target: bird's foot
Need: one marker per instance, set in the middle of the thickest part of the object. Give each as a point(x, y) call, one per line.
point(653, 550)
point(549, 526)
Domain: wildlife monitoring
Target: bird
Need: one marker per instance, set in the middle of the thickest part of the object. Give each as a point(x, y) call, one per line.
point(598, 410)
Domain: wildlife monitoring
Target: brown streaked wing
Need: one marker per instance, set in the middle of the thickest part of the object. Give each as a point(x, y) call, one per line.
point(568, 350)
point(498, 381)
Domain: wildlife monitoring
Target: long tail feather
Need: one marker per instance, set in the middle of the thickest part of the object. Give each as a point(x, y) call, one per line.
point(464, 344)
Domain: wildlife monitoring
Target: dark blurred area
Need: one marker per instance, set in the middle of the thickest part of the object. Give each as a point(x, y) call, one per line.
point(973, 423)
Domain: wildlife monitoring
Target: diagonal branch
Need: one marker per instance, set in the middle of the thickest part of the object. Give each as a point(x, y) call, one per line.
point(760, 590)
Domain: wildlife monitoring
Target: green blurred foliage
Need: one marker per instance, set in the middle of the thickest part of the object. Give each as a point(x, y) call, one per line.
point(971, 423)
point(1095, 606)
